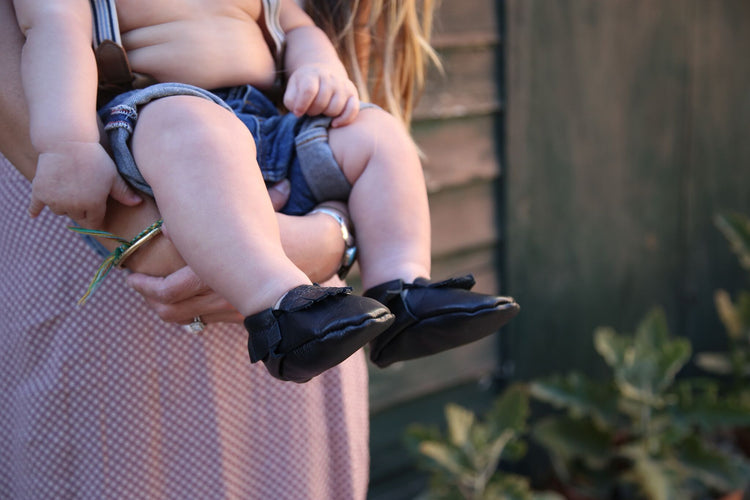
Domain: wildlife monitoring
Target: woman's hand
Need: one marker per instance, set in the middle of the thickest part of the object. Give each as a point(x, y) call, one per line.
point(182, 296)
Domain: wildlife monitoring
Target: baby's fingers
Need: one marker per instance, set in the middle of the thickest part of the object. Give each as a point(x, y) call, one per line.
point(350, 112)
point(324, 101)
point(300, 93)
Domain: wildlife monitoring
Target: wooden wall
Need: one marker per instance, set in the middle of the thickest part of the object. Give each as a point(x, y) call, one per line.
point(628, 129)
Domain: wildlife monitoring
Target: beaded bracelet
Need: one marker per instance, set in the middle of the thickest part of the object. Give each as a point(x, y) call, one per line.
point(119, 254)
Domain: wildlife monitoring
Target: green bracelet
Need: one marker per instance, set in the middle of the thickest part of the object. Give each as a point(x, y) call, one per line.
point(119, 254)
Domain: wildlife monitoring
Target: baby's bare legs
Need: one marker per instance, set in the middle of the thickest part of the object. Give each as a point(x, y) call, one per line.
point(388, 205)
point(200, 161)
point(388, 202)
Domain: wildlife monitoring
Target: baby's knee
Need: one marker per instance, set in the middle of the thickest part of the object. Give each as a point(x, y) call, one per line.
point(373, 133)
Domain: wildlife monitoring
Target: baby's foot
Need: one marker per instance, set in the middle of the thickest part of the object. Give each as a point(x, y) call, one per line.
point(313, 329)
point(434, 317)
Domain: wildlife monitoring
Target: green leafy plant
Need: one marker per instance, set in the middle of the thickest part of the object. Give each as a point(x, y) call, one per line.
point(641, 433)
point(464, 462)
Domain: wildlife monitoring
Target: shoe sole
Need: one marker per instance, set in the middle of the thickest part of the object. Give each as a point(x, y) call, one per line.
point(318, 355)
point(445, 331)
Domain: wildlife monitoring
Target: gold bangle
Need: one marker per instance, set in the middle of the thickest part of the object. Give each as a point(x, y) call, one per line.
point(149, 235)
point(118, 256)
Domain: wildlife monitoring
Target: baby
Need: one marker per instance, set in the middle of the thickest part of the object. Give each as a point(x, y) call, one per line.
point(205, 157)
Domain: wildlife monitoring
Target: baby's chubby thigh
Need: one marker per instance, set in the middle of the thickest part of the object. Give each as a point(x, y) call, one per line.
point(178, 133)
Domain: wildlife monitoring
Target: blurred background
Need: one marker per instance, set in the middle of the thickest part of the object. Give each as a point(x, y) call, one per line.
point(576, 153)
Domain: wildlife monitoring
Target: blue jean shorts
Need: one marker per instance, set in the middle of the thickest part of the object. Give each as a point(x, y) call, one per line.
point(287, 147)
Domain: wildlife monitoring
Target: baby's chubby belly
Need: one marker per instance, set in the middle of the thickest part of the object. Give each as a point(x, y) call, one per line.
point(208, 52)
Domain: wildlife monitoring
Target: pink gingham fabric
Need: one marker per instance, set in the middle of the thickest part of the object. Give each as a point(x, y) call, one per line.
point(107, 401)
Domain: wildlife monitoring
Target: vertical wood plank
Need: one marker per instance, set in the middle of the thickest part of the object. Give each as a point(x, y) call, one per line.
point(597, 117)
point(719, 177)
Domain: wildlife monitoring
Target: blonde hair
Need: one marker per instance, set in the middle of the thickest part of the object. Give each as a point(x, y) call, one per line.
point(385, 46)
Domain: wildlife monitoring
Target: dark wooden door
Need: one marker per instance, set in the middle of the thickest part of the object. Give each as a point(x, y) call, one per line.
point(628, 129)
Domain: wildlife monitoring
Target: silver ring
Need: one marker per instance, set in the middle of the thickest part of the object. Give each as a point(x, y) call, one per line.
point(197, 326)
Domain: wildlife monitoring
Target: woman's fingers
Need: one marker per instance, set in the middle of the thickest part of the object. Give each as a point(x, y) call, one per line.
point(182, 296)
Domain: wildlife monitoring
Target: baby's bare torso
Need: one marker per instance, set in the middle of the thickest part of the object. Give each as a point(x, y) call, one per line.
point(208, 43)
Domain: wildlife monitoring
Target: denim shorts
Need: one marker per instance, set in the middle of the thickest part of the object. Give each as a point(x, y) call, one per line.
point(287, 147)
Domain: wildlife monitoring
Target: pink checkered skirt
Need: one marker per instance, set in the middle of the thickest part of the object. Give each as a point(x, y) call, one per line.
point(107, 401)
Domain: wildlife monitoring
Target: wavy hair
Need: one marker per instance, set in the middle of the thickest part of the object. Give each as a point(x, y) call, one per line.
point(385, 46)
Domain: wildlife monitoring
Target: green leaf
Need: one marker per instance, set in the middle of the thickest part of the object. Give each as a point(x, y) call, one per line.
point(569, 438)
point(460, 420)
point(715, 468)
point(665, 431)
point(508, 487)
point(580, 396)
point(646, 364)
point(492, 457)
point(714, 362)
point(610, 346)
point(699, 404)
point(510, 410)
point(652, 339)
point(656, 478)
point(736, 229)
point(729, 315)
point(515, 450)
point(652, 332)
point(445, 456)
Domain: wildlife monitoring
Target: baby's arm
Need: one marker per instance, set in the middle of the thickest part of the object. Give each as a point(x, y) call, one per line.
point(318, 82)
point(74, 173)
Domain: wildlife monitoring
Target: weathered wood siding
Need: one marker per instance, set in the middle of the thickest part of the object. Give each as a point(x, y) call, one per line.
point(627, 131)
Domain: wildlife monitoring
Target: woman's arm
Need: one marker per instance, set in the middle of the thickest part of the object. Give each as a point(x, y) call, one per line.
point(74, 174)
point(15, 142)
point(313, 243)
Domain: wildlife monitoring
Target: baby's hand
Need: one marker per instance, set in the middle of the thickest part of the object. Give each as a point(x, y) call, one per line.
point(318, 89)
point(75, 179)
